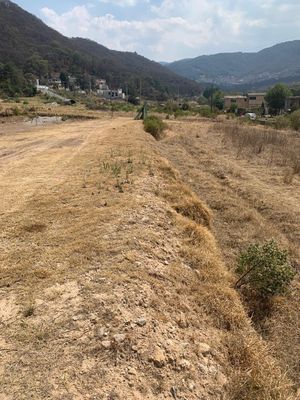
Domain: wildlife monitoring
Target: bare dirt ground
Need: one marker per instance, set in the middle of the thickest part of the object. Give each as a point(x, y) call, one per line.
point(111, 283)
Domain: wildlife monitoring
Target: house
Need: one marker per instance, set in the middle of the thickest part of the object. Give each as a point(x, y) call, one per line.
point(250, 101)
point(292, 103)
point(106, 93)
point(41, 88)
point(256, 100)
point(238, 101)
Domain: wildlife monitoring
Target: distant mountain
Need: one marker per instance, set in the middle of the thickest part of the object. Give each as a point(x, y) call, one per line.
point(278, 63)
point(38, 50)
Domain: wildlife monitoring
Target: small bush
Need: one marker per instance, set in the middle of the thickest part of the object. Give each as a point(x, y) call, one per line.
point(295, 120)
point(155, 126)
point(265, 268)
point(206, 112)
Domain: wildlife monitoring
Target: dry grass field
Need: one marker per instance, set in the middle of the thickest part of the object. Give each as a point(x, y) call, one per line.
point(250, 179)
point(112, 285)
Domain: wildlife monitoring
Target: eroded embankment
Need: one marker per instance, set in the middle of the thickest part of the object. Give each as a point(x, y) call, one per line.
point(112, 286)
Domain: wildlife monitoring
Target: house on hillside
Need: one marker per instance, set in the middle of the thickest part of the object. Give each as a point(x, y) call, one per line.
point(41, 88)
point(106, 93)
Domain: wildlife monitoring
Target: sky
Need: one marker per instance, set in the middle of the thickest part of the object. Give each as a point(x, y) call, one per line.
point(169, 30)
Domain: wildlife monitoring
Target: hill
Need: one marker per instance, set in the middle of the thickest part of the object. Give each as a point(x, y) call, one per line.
point(36, 49)
point(278, 63)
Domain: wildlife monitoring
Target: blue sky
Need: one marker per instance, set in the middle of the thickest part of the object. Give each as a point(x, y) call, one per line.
point(167, 30)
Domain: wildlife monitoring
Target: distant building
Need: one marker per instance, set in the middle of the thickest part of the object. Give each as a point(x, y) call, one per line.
point(41, 88)
point(292, 103)
point(105, 92)
point(238, 101)
point(250, 101)
point(256, 100)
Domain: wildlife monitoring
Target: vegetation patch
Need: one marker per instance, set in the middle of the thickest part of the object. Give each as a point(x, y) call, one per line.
point(155, 126)
point(265, 268)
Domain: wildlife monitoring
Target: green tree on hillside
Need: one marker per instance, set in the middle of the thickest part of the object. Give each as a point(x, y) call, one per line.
point(276, 98)
point(37, 66)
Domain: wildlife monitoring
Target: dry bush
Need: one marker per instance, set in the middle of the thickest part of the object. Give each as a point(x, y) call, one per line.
point(279, 148)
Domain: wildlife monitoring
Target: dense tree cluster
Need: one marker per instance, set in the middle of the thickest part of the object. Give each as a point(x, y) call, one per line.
point(13, 82)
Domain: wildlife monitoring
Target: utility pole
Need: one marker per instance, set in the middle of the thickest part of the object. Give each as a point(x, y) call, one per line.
point(211, 97)
point(140, 90)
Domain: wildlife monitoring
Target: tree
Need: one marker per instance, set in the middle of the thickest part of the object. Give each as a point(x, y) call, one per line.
point(38, 66)
point(64, 77)
point(218, 100)
point(276, 97)
point(209, 91)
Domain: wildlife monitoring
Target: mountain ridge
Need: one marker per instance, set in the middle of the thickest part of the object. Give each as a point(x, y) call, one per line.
point(280, 62)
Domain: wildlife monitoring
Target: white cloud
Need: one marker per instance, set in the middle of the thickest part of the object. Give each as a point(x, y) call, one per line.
point(124, 3)
point(172, 29)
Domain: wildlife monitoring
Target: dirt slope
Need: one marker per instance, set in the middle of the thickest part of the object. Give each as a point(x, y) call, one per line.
point(112, 286)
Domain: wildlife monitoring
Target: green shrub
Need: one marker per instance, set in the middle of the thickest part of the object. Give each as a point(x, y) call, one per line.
point(155, 126)
point(265, 268)
point(295, 120)
point(206, 112)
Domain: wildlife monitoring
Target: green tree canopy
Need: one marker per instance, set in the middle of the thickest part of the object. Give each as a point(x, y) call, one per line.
point(276, 97)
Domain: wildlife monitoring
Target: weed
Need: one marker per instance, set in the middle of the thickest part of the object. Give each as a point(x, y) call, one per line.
point(29, 311)
point(116, 169)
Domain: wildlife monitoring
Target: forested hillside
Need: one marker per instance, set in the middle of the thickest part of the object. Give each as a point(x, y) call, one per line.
point(29, 49)
point(278, 63)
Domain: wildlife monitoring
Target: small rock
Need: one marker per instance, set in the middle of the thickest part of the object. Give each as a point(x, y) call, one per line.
point(182, 321)
point(191, 386)
point(158, 357)
point(141, 322)
point(93, 318)
point(204, 348)
point(106, 344)
point(221, 379)
point(203, 368)
point(119, 338)
point(131, 371)
point(100, 333)
point(184, 364)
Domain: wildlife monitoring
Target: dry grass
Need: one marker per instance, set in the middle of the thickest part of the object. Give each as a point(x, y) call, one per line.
point(253, 372)
point(82, 261)
point(278, 147)
point(251, 203)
